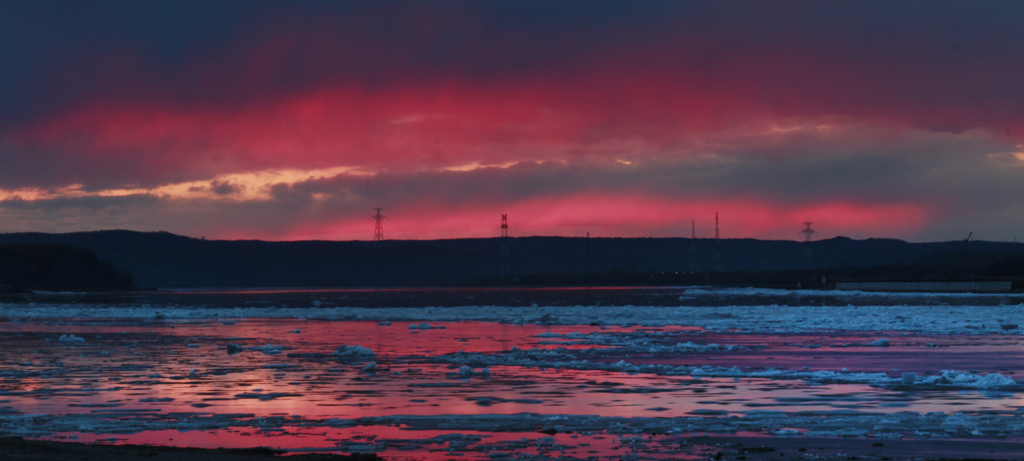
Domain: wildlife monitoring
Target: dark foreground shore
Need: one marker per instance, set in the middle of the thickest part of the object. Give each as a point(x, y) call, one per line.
point(18, 449)
point(854, 448)
point(706, 447)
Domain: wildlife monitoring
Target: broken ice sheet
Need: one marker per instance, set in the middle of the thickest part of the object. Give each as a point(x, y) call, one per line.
point(754, 368)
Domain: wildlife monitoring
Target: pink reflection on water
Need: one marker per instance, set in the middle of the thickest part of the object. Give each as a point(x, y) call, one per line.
point(385, 440)
point(148, 367)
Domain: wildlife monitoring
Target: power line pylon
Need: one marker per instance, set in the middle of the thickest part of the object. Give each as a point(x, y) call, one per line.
point(961, 259)
point(586, 254)
point(693, 243)
point(808, 251)
point(718, 247)
point(378, 229)
point(504, 267)
point(808, 232)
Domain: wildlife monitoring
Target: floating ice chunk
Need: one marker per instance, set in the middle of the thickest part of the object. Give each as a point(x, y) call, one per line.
point(959, 420)
point(234, 348)
point(71, 338)
point(467, 372)
point(623, 365)
point(909, 378)
point(297, 331)
point(485, 401)
point(845, 376)
point(994, 380)
point(338, 422)
point(370, 367)
point(424, 326)
point(880, 343)
point(711, 371)
point(269, 349)
point(384, 323)
point(965, 379)
point(354, 351)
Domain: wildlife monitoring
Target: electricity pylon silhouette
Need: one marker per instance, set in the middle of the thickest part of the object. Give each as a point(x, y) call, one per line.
point(378, 230)
point(503, 267)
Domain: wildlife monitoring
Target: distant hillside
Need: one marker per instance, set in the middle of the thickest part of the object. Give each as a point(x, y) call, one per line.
point(51, 267)
point(168, 260)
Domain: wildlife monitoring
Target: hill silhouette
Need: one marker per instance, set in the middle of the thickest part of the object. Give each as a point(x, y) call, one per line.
point(52, 267)
point(161, 259)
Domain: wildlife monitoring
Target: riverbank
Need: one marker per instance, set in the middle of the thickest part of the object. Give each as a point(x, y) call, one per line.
point(18, 449)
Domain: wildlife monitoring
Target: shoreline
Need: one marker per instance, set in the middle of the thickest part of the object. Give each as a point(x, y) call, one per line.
point(717, 447)
point(19, 449)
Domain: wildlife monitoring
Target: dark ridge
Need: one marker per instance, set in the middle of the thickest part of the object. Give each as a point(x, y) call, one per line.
point(167, 260)
point(56, 267)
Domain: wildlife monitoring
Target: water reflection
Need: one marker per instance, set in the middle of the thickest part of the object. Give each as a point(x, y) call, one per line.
point(289, 369)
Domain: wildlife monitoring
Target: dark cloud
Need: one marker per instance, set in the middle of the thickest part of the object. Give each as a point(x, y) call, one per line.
point(944, 64)
point(223, 188)
point(88, 203)
point(795, 104)
point(220, 188)
point(957, 180)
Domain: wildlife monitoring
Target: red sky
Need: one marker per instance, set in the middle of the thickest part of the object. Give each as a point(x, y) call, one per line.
point(287, 121)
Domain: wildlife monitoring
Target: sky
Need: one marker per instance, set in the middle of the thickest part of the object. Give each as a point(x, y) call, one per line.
point(293, 120)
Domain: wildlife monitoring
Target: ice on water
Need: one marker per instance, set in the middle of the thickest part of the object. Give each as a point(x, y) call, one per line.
point(342, 377)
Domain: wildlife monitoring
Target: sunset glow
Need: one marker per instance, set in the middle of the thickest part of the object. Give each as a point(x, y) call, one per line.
point(285, 122)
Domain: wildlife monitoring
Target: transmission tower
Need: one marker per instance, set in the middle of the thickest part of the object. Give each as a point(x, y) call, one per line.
point(693, 243)
point(808, 251)
point(586, 255)
point(718, 247)
point(808, 232)
point(961, 260)
point(503, 266)
point(378, 229)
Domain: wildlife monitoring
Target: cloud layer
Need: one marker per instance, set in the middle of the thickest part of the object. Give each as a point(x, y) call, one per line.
point(290, 121)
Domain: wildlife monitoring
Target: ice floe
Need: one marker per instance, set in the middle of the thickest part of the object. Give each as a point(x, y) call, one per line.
point(424, 326)
point(565, 359)
point(960, 319)
point(824, 423)
point(955, 378)
point(268, 349)
point(353, 351)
